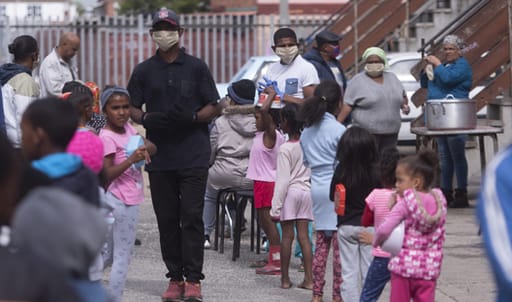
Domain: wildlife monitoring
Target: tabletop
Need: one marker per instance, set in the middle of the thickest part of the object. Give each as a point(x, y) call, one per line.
point(479, 130)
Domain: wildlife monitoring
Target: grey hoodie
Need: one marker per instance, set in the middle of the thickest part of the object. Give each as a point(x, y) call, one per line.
point(60, 228)
point(231, 141)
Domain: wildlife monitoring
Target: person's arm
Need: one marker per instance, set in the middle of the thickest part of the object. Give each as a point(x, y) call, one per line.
point(214, 134)
point(282, 183)
point(269, 135)
point(207, 113)
point(150, 147)
point(334, 181)
point(21, 102)
point(345, 111)
point(49, 76)
point(452, 75)
point(112, 171)
point(397, 214)
point(136, 97)
point(405, 104)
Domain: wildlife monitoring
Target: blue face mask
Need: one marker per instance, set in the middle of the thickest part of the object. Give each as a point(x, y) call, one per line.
point(335, 52)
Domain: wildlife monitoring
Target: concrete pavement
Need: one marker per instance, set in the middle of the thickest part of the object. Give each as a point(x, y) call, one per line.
point(465, 274)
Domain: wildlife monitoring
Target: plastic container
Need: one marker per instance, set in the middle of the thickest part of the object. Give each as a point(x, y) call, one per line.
point(339, 198)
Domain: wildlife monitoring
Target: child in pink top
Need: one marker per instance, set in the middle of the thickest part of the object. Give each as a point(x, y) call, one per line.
point(262, 170)
point(291, 203)
point(414, 271)
point(124, 180)
point(378, 207)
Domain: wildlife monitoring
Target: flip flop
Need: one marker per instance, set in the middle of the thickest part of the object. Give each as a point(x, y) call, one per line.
point(258, 263)
point(301, 285)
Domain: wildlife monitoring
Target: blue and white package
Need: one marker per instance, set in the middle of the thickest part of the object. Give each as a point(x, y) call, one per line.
point(134, 143)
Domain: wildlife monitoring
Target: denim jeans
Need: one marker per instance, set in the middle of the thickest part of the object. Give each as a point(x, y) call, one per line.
point(452, 154)
point(376, 278)
point(178, 200)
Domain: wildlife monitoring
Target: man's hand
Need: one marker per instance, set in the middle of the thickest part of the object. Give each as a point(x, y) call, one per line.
point(155, 120)
point(181, 115)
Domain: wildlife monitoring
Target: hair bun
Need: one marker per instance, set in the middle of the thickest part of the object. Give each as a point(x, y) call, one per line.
point(429, 157)
point(11, 48)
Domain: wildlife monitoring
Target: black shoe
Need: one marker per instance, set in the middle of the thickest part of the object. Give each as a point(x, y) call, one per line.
point(448, 195)
point(460, 200)
point(137, 242)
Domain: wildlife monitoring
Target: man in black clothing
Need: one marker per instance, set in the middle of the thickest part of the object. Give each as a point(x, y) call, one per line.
point(181, 98)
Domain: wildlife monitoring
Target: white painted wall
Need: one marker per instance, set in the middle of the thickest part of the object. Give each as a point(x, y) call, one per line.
point(49, 10)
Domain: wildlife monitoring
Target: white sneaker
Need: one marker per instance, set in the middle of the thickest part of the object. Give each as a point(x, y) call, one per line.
point(207, 244)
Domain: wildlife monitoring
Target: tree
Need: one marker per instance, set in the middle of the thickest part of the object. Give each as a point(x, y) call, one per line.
point(148, 7)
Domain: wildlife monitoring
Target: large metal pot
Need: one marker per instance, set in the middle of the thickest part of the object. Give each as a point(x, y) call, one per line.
point(450, 114)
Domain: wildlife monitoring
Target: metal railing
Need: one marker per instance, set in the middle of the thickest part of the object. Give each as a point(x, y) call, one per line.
point(111, 46)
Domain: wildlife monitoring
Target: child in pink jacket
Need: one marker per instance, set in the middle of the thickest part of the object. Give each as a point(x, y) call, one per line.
point(415, 269)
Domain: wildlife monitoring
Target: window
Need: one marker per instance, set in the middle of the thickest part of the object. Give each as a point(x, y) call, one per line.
point(34, 10)
point(3, 12)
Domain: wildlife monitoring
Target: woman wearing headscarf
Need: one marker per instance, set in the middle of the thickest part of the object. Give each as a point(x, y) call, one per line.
point(452, 75)
point(375, 97)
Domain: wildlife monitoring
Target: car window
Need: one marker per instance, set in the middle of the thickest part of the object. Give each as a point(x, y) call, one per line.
point(403, 67)
point(243, 70)
point(262, 71)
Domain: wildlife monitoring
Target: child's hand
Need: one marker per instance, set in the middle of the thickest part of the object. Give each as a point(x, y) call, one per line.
point(275, 214)
point(140, 154)
point(365, 237)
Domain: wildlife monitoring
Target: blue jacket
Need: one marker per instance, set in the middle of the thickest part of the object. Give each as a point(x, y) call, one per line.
point(455, 78)
point(324, 71)
point(494, 211)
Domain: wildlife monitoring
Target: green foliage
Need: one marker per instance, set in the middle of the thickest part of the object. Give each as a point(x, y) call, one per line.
point(148, 7)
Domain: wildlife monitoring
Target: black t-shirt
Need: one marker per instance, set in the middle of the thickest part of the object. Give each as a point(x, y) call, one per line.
point(187, 82)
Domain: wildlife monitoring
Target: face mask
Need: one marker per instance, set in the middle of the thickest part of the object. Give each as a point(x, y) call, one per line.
point(287, 54)
point(165, 39)
point(335, 53)
point(374, 69)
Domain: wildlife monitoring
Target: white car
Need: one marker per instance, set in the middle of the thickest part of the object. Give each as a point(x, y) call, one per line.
point(399, 63)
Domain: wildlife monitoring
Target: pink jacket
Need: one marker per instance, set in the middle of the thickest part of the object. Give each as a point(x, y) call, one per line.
point(422, 250)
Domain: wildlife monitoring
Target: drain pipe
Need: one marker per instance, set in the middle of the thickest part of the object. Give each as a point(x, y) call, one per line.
point(510, 44)
point(356, 37)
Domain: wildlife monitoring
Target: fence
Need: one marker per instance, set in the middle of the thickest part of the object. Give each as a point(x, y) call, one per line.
point(112, 46)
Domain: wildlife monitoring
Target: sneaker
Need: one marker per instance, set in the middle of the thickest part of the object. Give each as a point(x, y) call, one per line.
point(192, 292)
point(207, 243)
point(174, 292)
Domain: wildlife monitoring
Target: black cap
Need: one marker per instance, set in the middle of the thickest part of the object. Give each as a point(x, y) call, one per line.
point(327, 37)
point(166, 15)
point(242, 92)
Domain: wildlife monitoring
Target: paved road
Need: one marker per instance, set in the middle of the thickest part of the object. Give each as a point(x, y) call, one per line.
point(465, 275)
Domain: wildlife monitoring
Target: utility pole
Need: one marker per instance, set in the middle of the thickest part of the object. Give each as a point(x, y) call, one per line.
point(284, 13)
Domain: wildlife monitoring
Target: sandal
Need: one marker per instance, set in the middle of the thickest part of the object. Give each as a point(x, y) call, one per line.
point(258, 263)
point(304, 286)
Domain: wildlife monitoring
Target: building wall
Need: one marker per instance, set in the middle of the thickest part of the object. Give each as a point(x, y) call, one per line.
point(296, 7)
point(43, 10)
point(233, 5)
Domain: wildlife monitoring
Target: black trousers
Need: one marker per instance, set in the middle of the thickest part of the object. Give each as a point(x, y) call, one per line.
point(178, 201)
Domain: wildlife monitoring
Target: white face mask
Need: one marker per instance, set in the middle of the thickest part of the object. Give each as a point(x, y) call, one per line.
point(165, 39)
point(374, 69)
point(287, 54)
